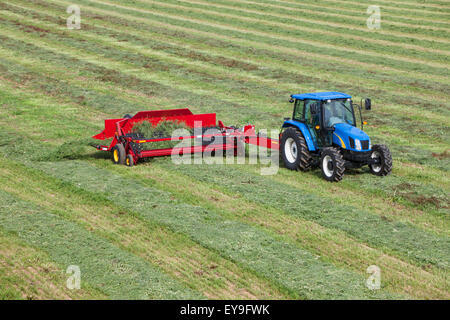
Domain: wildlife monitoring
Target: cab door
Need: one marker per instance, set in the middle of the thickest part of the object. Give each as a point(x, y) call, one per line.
point(312, 120)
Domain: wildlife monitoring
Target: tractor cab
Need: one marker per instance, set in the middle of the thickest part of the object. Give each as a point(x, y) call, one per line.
point(325, 122)
point(330, 119)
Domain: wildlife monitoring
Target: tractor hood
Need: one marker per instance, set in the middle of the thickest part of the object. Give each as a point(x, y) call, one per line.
point(350, 137)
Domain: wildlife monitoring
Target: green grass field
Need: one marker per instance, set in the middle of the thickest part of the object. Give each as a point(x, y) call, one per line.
point(165, 231)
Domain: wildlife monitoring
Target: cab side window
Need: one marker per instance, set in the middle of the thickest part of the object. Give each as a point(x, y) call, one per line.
point(298, 110)
point(310, 119)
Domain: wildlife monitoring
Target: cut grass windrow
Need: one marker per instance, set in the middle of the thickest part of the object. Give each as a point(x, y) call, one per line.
point(291, 267)
point(333, 245)
point(28, 273)
point(195, 69)
point(193, 265)
point(403, 238)
point(397, 6)
point(357, 9)
point(118, 273)
point(343, 10)
point(378, 120)
point(234, 39)
point(294, 26)
point(238, 31)
point(252, 44)
point(140, 61)
point(139, 42)
point(112, 23)
point(435, 35)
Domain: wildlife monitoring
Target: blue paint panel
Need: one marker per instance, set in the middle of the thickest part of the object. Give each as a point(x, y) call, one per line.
point(345, 131)
point(321, 96)
point(305, 131)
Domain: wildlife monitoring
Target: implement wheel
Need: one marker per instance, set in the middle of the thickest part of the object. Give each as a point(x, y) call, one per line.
point(294, 151)
point(129, 161)
point(119, 154)
point(332, 164)
point(381, 152)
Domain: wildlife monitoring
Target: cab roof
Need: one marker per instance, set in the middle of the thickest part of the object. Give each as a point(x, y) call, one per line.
point(321, 96)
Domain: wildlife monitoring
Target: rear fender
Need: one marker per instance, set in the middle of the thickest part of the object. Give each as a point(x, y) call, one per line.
point(304, 130)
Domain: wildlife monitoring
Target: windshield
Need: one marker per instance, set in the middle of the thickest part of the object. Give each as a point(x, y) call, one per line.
point(338, 111)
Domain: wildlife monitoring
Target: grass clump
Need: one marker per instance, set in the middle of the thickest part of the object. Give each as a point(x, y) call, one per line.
point(70, 150)
point(164, 129)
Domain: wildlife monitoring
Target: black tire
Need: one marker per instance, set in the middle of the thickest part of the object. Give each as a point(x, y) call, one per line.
point(129, 161)
point(382, 152)
point(332, 164)
point(119, 154)
point(294, 151)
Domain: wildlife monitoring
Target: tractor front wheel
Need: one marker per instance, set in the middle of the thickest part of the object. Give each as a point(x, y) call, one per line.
point(119, 154)
point(382, 153)
point(332, 164)
point(294, 151)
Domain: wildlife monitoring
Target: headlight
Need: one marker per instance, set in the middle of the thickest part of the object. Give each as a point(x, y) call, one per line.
point(358, 144)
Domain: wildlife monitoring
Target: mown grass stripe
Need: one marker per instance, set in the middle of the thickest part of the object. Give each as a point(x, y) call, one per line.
point(156, 55)
point(194, 266)
point(28, 273)
point(400, 122)
point(388, 7)
point(332, 245)
point(342, 10)
point(409, 283)
point(240, 33)
point(223, 48)
point(292, 267)
point(438, 36)
point(259, 45)
point(227, 25)
point(377, 84)
point(293, 20)
point(289, 24)
point(403, 238)
point(263, 215)
point(118, 273)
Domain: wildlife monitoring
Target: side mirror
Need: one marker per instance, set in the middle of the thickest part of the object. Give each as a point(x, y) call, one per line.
point(291, 100)
point(314, 108)
point(367, 104)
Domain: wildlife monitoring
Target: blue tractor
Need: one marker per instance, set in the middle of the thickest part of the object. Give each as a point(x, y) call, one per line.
point(323, 132)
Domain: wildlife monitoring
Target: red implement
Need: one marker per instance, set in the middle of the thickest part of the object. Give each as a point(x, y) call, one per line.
point(123, 144)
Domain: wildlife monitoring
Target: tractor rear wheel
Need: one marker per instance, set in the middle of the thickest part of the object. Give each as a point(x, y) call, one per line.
point(119, 154)
point(381, 152)
point(332, 164)
point(294, 151)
